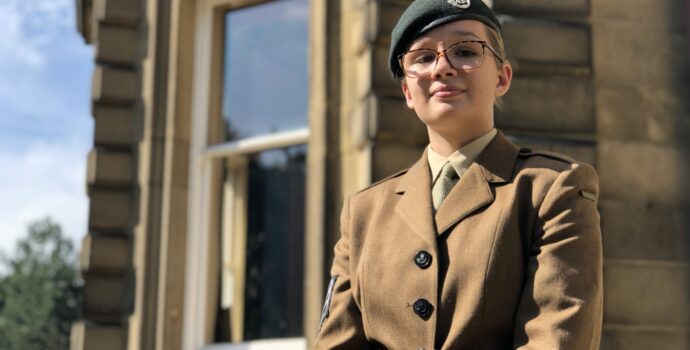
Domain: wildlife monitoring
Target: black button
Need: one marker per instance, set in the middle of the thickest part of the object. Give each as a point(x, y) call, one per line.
point(422, 259)
point(422, 308)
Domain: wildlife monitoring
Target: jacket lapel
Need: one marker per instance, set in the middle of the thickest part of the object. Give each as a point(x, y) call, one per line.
point(415, 206)
point(493, 166)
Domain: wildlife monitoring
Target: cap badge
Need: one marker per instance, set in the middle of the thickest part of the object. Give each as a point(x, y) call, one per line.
point(463, 4)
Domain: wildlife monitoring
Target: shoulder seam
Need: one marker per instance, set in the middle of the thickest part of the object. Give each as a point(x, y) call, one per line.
point(526, 152)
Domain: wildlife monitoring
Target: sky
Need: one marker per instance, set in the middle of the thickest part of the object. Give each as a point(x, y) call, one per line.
point(45, 124)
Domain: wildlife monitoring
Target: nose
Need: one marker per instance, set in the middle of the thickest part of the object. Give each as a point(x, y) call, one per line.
point(443, 69)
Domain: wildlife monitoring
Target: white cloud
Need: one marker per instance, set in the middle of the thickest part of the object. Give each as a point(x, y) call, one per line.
point(45, 180)
point(28, 27)
point(45, 71)
point(44, 123)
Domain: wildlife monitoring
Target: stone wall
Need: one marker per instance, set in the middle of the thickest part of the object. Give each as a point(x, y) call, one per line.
point(112, 27)
point(643, 131)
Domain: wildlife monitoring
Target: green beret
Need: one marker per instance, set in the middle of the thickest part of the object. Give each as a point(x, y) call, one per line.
point(423, 15)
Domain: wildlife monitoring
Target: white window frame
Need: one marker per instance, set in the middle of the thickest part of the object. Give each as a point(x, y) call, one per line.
point(198, 309)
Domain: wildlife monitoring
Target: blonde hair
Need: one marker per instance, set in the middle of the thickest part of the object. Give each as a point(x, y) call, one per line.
point(496, 43)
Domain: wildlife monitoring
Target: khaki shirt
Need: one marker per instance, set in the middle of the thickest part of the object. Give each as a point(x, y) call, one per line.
point(513, 259)
point(460, 159)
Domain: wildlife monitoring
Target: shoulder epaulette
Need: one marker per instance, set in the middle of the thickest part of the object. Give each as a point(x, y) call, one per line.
point(399, 173)
point(528, 152)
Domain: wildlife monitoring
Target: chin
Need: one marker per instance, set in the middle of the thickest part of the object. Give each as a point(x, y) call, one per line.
point(448, 112)
point(449, 118)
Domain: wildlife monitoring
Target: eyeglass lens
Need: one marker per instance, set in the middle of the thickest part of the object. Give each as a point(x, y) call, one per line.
point(464, 55)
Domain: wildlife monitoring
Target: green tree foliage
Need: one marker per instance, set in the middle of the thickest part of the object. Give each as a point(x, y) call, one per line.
point(39, 290)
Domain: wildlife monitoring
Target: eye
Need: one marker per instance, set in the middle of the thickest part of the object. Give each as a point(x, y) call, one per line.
point(466, 50)
point(466, 53)
point(423, 56)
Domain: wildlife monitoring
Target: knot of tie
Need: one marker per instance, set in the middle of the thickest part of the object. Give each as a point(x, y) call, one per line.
point(443, 184)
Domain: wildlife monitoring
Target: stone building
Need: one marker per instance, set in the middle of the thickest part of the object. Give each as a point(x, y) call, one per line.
point(203, 108)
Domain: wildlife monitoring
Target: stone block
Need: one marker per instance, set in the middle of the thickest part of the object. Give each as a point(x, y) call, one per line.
point(110, 210)
point(178, 158)
point(89, 336)
point(637, 338)
point(390, 157)
point(396, 122)
point(643, 172)
point(354, 5)
point(118, 12)
point(642, 292)
point(84, 15)
point(626, 54)
point(635, 113)
point(117, 45)
point(104, 297)
point(114, 126)
point(359, 123)
point(356, 29)
point(669, 15)
point(110, 169)
point(382, 80)
point(548, 105)
point(361, 77)
point(563, 7)
point(633, 230)
point(105, 254)
point(114, 85)
point(547, 42)
point(388, 13)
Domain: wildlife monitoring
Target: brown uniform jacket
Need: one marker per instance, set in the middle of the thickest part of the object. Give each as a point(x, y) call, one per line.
point(515, 259)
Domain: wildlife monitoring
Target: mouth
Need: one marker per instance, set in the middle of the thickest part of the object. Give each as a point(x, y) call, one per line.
point(446, 91)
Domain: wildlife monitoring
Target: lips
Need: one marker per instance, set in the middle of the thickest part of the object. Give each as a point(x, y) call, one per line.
point(446, 91)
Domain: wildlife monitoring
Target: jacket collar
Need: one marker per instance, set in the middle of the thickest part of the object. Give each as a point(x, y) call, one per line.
point(494, 165)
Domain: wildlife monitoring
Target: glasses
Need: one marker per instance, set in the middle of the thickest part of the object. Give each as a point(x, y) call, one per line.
point(465, 55)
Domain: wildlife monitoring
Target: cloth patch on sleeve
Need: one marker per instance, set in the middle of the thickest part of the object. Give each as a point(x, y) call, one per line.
point(327, 302)
point(589, 195)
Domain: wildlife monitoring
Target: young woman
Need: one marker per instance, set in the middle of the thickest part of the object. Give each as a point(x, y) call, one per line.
point(480, 244)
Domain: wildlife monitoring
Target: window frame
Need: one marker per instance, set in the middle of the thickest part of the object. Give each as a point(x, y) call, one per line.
point(206, 158)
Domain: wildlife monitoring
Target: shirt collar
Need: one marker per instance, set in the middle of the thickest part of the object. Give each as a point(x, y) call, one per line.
point(460, 159)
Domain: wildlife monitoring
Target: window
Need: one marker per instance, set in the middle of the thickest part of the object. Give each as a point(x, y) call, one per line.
point(245, 260)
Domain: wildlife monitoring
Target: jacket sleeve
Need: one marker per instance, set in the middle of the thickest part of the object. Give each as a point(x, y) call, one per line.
point(341, 321)
point(562, 302)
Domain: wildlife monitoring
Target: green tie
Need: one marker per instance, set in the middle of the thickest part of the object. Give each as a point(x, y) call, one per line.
point(443, 184)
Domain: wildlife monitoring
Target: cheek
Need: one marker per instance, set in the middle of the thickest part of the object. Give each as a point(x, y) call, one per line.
point(417, 96)
point(487, 88)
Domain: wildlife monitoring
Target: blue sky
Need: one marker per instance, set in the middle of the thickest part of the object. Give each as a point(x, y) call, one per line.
point(45, 122)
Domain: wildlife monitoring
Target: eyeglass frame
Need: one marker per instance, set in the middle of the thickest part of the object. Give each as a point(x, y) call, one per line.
point(443, 52)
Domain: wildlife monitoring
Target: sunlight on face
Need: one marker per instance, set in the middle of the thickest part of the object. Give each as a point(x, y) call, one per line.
point(448, 100)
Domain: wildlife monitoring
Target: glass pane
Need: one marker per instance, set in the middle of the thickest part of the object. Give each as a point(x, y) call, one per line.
point(265, 68)
point(275, 240)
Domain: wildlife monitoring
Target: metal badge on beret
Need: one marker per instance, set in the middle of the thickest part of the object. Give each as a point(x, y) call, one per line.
point(463, 4)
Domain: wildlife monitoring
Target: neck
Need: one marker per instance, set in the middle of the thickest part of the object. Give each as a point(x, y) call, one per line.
point(445, 143)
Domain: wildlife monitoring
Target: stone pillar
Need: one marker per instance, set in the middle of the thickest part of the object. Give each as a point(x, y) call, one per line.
point(643, 122)
point(106, 251)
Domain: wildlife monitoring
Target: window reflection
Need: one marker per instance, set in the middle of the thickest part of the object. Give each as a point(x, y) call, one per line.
point(265, 69)
point(275, 240)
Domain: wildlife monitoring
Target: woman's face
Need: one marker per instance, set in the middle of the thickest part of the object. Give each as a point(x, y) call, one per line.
point(449, 100)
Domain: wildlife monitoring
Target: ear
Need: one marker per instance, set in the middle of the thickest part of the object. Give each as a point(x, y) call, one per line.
point(408, 95)
point(505, 76)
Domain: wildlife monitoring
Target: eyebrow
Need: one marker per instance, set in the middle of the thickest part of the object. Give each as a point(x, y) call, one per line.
point(465, 33)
